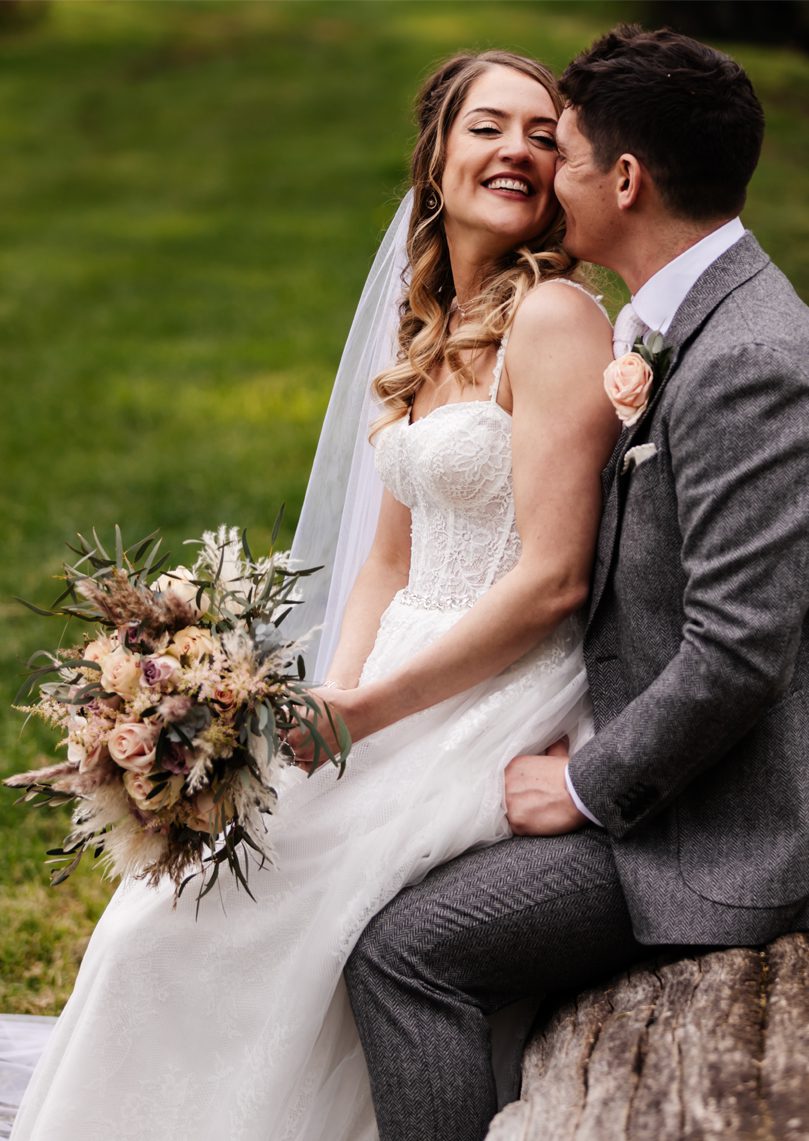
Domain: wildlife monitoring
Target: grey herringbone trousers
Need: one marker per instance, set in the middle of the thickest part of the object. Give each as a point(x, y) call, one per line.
point(529, 916)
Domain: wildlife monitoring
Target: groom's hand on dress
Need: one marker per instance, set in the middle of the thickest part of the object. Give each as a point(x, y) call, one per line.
point(537, 800)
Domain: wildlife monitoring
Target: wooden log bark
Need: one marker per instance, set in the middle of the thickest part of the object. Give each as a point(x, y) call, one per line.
point(695, 1049)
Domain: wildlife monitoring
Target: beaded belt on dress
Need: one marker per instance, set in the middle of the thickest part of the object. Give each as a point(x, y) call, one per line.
point(436, 601)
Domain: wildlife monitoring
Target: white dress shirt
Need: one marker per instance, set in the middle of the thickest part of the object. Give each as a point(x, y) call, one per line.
point(658, 299)
point(656, 303)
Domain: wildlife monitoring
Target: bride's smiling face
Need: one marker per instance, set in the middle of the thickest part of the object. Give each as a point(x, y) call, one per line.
point(499, 162)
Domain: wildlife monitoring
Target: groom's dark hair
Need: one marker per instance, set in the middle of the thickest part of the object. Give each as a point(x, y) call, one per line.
point(687, 112)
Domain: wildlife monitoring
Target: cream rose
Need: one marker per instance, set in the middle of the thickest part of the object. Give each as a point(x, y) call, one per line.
point(627, 381)
point(132, 745)
point(120, 673)
point(179, 582)
point(139, 787)
point(192, 643)
point(99, 649)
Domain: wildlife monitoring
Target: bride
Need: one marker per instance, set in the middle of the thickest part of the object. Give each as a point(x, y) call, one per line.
point(459, 647)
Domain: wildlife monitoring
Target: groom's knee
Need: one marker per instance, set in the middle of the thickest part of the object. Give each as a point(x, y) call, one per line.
point(382, 950)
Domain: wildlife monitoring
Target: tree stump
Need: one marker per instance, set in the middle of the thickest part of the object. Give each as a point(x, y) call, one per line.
point(708, 1047)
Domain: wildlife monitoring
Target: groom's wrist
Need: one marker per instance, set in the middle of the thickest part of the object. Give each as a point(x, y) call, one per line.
point(574, 796)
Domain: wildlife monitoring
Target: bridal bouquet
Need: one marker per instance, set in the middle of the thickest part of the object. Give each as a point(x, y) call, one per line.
point(173, 708)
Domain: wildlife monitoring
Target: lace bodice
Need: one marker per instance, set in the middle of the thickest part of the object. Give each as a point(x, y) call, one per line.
point(453, 470)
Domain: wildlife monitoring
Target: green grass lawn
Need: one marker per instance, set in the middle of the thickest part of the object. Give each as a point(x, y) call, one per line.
point(190, 196)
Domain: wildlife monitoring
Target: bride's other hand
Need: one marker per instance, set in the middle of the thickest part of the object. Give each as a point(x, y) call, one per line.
point(537, 800)
point(340, 703)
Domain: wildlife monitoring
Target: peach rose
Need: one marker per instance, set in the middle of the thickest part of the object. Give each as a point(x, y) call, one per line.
point(139, 786)
point(180, 583)
point(120, 673)
point(204, 814)
point(192, 643)
point(627, 381)
point(201, 815)
point(225, 698)
point(132, 746)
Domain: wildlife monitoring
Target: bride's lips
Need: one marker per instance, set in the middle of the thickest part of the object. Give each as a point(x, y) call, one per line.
point(512, 185)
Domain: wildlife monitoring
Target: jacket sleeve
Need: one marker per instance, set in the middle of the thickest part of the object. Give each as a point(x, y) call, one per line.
point(738, 434)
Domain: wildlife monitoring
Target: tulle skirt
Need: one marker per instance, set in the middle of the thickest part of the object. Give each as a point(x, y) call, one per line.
point(235, 1025)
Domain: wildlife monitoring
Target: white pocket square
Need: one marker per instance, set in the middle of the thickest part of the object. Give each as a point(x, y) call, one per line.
point(638, 455)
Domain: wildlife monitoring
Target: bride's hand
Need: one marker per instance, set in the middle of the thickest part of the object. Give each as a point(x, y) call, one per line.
point(341, 704)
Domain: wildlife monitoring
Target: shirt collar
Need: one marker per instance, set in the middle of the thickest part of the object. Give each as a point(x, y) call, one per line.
point(658, 299)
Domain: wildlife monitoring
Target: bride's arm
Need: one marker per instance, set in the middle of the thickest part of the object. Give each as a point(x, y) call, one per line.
point(383, 573)
point(563, 431)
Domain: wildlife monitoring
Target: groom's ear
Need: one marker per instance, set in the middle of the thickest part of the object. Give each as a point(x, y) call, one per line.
point(629, 175)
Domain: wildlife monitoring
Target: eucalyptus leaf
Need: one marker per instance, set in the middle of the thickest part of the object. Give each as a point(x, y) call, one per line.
point(276, 527)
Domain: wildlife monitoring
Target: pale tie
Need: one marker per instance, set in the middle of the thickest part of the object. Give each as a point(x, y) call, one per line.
point(628, 329)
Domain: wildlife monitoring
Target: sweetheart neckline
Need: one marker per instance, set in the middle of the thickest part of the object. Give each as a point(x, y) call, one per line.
point(489, 403)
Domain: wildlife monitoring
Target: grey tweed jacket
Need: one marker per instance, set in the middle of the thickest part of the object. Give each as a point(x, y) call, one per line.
point(696, 645)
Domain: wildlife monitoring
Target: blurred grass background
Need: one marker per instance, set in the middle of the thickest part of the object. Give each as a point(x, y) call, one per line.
point(190, 196)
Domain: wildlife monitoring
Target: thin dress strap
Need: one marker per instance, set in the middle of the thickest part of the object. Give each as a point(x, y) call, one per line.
point(500, 360)
point(497, 371)
point(596, 298)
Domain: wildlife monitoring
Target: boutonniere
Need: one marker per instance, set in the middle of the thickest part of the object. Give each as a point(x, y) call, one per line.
point(628, 379)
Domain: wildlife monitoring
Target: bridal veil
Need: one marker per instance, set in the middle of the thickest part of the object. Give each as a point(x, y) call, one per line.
point(340, 510)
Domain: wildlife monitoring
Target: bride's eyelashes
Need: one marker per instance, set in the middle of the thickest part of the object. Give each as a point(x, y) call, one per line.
point(541, 139)
point(487, 131)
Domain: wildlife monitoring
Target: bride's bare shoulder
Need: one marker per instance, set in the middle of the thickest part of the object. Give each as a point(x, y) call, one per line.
point(560, 307)
point(561, 335)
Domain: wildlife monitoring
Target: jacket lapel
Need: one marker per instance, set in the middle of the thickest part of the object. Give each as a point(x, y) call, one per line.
point(737, 265)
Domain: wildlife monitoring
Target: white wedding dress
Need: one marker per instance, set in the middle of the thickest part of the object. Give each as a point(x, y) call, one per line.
point(236, 1026)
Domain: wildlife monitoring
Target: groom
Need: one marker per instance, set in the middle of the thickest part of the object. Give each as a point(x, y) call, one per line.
point(685, 819)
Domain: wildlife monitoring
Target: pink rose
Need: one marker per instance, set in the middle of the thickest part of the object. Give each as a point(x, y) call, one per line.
point(132, 746)
point(139, 787)
point(120, 673)
point(159, 669)
point(627, 381)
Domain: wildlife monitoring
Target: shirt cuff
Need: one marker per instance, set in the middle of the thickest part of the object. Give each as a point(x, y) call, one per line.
point(574, 796)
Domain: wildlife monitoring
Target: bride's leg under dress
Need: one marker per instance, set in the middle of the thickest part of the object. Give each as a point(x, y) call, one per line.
point(236, 1025)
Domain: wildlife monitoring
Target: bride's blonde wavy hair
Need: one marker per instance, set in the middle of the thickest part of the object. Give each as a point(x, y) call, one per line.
point(424, 337)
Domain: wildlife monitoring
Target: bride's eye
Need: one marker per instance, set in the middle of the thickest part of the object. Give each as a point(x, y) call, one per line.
point(485, 129)
point(547, 142)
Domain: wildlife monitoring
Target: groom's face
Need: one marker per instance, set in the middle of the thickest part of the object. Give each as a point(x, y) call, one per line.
point(585, 192)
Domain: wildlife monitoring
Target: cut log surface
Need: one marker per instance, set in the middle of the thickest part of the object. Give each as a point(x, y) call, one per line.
point(712, 1046)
